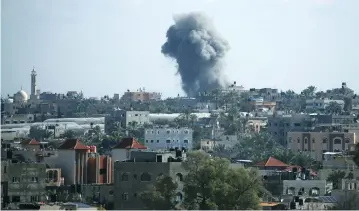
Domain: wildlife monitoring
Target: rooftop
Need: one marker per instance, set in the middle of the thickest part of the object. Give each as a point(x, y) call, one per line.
point(129, 143)
point(271, 162)
point(30, 142)
point(72, 144)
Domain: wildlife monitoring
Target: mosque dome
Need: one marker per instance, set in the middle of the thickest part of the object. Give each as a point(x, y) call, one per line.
point(21, 96)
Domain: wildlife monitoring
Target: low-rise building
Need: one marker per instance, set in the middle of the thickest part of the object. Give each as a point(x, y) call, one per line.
point(134, 177)
point(322, 104)
point(166, 138)
point(26, 182)
point(317, 143)
point(19, 119)
point(101, 194)
point(124, 118)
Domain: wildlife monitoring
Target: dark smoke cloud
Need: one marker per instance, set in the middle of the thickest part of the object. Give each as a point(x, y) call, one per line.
point(198, 50)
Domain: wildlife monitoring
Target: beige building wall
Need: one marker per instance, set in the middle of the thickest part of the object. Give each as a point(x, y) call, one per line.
point(316, 143)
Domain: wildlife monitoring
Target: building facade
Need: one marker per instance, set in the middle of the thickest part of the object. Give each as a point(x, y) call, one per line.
point(280, 125)
point(25, 182)
point(317, 143)
point(132, 178)
point(166, 138)
point(321, 104)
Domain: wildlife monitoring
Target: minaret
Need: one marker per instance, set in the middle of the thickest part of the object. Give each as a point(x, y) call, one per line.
point(33, 83)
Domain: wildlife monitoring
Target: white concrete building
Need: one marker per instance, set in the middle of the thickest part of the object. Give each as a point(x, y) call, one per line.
point(166, 138)
point(321, 104)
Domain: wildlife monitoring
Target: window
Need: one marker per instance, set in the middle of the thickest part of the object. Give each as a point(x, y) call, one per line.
point(298, 139)
point(168, 141)
point(185, 141)
point(179, 177)
point(135, 176)
point(325, 140)
point(347, 140)
point(146, 141)
point(305, 140)
point(186, 131)
point(179, 197)
point(297, 124)
point(313, 140)
point(125, 196)
point(124, 177)
point(34, 179)
point(15, 199)
point(145, 177)
point(102, 171)
point(35, 198)
point(16, 179)
point(151, 141)
point(158, 141)
point(337, 141)
point(314, 191)
point(168, 131)
point(4, 169)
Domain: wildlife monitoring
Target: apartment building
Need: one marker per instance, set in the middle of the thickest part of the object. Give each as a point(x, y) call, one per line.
point(317, 143)
point(125, 118)
point(166, 138)
point(22, 182)
point(141, 95)
point(280, 125)
point(135, 176)
point(321, 104)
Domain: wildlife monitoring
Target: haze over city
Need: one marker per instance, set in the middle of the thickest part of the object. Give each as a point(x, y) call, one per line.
point(106, 47)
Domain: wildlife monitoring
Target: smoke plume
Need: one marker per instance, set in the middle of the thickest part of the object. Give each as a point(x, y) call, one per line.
point(198, 50)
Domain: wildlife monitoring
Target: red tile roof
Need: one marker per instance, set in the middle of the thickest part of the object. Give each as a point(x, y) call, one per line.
point(73, 144)
point(129, 143)
point(30, 142)
point(272, 162)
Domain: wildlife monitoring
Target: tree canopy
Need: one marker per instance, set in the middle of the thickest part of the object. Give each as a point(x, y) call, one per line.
point(209, 183)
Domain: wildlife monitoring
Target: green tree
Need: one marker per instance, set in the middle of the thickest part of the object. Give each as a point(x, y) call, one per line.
point(161, 195)
point(68, 134)
point(309, 91)
point(39, 133)
point(333, 108)
point(336, 177)
point(212, 184)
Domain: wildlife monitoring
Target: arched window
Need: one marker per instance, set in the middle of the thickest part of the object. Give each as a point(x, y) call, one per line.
point(179, 197)
point(179, 177)
point(337, 141)
point(314, 191)
point(145, 177)
point(124, 177)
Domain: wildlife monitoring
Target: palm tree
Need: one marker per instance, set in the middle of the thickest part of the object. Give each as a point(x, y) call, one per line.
point(193, 118)
point(336, 177)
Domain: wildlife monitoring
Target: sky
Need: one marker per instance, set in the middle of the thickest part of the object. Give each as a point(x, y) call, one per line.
point(102, 47)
